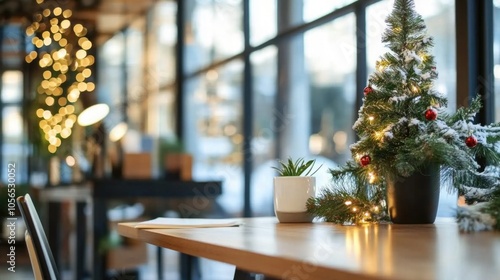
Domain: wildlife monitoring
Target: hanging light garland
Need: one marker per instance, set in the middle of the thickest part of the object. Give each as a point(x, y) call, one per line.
point(62, 51)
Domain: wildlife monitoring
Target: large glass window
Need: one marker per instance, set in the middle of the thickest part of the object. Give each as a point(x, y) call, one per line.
point(303, 85)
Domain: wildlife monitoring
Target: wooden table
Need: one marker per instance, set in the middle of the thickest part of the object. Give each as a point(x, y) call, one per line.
point(328, 251)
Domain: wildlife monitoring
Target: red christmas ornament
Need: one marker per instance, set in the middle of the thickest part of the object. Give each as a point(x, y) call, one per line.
point(471, 141)
point(365, 160)
point(368, 90)
point(431, 114)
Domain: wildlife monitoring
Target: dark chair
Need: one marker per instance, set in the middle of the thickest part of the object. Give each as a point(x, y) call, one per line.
point(42, 260)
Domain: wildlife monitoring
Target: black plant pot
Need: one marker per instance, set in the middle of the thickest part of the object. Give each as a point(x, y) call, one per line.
point(415, 199)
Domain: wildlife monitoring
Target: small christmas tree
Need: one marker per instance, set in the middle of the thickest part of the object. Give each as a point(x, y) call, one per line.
point(403, 126)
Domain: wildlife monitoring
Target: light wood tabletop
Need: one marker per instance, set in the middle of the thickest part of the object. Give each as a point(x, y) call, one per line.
point(327, 251)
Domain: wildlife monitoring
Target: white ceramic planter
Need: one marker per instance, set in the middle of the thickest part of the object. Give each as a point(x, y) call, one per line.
point(290, 198)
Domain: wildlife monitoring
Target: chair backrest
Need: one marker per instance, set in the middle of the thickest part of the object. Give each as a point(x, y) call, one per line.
point(44, 257)
point(35, 263)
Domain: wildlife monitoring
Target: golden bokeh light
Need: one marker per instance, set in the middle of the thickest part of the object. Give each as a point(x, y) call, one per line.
point(39, 43)
point(49, 101)
point(90, 86)
point(78, 28)
point(46, 114)
point(79, 77)
point(62, 101)
point(63, 42)
point(82, 86)
point(62, 50)
point(39, 112)
point(80, 54)
point(57, 11)
point(62, 111)
point(65, 24)
point(86, 45)
point(52, 149)
point(67, 13)
point(86, 72)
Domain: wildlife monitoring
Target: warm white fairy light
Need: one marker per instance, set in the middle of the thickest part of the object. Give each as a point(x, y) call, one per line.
point(371, 177)
point(380, 67)
point(414, 89)
point(348, 202)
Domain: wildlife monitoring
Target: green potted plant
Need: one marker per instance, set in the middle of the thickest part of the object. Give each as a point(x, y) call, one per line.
point(177, 163)
point(293, 186)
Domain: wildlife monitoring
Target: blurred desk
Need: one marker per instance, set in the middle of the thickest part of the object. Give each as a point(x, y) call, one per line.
point(98, 193)
point(317, 251)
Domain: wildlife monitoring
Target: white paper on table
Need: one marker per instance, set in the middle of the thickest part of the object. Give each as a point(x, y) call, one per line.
point(188, 223)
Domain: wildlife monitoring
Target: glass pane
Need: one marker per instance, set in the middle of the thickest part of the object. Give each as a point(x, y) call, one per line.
point(212, 126)
point(314, 9)
point(439, 17)
point(265, 126)
point(331, 65)
point(13, 44)
point(262, 20)
point(161, 45)
point(111, 78)
point(136, 88)
point(13, 147)
point(213, 31)
point(12, 86)
point(162, 114)
point(496, 52)
point(12, 124)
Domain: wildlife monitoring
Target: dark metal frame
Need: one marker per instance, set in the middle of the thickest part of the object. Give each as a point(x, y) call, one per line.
point(475, 55)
